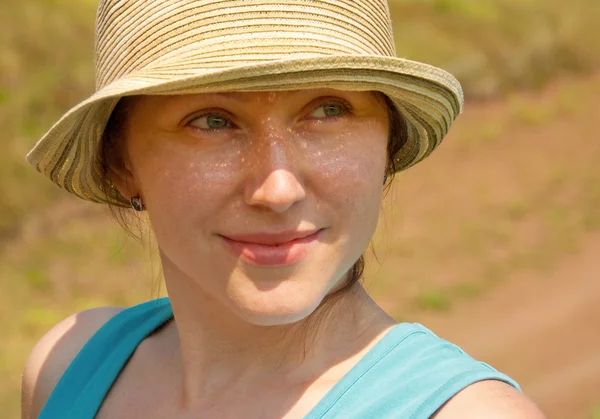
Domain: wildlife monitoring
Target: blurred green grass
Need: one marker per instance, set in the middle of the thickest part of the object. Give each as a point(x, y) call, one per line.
point(496, 46)
point(59, 255)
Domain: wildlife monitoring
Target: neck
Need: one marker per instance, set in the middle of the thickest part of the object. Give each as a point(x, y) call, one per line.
point(222, 352)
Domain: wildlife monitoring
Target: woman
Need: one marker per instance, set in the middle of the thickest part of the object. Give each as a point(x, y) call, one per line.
point(257, 135)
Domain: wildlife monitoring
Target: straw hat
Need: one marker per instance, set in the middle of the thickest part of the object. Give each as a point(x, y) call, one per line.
point(196, 46)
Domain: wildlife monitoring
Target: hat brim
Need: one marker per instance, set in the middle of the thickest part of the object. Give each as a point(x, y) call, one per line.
point(428, 98)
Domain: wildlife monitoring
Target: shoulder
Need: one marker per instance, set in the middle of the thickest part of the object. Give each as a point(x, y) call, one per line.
point(490, 399)
point(455, 385)
point(54, 352)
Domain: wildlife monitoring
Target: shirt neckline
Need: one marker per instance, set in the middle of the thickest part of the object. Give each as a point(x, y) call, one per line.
point(391, 339)
point(386, 344)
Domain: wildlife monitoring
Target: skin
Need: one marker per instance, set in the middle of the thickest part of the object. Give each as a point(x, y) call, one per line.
point(280, 161)
point(281, 165)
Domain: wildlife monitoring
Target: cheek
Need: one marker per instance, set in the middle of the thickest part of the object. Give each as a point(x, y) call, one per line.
point(351, 172)
point(182, 186)
point(348, 185)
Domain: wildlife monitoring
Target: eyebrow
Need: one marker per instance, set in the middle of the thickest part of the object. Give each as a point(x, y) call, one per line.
point(237, 96)
point(243, 96)
point(233, 96)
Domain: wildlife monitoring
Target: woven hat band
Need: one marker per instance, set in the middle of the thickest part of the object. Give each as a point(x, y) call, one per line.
point(138, 34)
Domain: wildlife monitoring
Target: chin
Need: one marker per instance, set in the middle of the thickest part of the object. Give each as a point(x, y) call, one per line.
point(277, 307)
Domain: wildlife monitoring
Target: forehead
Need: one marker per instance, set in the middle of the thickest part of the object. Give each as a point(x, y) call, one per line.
point(289, 96)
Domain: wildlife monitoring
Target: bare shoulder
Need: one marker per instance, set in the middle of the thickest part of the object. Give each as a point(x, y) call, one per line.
point(54, 352)
point(489, 399)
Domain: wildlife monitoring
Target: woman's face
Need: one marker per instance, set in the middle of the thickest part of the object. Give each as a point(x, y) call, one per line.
point(262, 200)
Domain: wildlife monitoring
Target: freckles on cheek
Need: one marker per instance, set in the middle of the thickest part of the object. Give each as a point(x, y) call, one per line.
point(177, 184)
point(348, 171)
point(349, 162)
point(331, 159)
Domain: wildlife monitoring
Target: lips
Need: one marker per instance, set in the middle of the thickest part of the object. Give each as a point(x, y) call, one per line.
point(271, 239)
point(272, 249)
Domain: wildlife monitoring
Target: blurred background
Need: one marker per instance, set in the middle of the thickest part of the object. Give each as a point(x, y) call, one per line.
point(493, 242)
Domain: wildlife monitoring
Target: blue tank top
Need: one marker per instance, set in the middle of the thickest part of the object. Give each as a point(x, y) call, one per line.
point(410, 373)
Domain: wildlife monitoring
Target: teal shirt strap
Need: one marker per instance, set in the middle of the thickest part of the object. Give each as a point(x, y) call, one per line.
point(85, 383)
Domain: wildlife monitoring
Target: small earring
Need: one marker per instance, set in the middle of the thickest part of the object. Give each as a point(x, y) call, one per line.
point(136, 203)
point(385, 178)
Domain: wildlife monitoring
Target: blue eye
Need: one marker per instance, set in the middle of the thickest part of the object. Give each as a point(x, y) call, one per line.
point(328, 110)
point(211, 122)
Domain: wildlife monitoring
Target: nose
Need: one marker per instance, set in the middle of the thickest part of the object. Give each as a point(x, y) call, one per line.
point(274, 179)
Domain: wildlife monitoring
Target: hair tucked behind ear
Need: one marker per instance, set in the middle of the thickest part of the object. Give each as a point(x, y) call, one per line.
point(111, 153)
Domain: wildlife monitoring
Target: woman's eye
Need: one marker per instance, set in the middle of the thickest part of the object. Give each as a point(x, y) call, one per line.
point(328, 110)
point(211, 122)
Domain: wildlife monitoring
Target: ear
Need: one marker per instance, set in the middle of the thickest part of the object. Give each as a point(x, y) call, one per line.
point(114, 151)
point(121, 177)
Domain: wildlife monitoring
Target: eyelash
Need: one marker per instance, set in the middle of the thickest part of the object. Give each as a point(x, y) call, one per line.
point(207, 114)
point(346, 109)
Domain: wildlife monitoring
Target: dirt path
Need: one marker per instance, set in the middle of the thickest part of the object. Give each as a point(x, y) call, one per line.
point(542, 329)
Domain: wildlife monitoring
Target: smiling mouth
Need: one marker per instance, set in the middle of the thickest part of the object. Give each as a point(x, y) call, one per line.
point(272, 249)
point(272, 239)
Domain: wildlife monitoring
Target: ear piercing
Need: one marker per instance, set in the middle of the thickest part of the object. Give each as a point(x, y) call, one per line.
point(136, 203)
